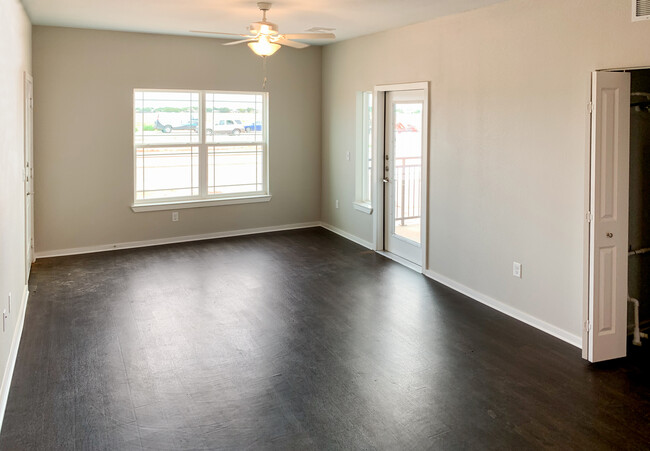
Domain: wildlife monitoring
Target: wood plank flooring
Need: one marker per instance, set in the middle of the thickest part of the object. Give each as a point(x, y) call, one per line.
point(296, 340)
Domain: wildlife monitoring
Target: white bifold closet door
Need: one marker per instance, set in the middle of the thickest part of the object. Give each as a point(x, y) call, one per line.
point(607, 327)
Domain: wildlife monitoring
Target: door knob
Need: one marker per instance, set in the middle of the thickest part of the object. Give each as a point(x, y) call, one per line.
point(610, 235)
point(385, 180)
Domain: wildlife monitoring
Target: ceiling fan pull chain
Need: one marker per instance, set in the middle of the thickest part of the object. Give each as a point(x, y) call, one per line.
point(264, 72)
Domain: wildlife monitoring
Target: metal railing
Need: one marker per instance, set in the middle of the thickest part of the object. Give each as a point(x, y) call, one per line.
point(408, 183)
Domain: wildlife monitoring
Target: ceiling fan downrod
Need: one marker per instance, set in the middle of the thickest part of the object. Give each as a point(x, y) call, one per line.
point(264, 7)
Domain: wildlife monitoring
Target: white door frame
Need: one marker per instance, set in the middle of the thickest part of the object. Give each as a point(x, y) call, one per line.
point(378, 152)
point(587, 352)
point(28, 172)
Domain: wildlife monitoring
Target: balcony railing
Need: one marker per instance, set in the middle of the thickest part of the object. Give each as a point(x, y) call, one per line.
point(408, 183)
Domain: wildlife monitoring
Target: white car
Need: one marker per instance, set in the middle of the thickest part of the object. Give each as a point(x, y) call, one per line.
point(227, 126)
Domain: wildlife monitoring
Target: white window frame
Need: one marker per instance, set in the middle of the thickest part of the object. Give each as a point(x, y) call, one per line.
point(203, 199)
point(363, 182)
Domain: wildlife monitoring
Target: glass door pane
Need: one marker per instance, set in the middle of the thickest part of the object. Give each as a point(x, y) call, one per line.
point(407, 169)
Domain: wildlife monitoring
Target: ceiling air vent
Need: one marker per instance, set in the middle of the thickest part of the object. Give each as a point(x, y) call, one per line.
point(640, 10)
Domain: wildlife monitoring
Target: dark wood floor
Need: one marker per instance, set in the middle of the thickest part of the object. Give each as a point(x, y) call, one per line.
point(296, 340)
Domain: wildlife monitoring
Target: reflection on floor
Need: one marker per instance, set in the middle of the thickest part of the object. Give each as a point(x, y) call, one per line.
point(295, 340)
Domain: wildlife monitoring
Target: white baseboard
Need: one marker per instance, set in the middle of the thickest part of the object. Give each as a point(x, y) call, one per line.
point(347, 235)
point(480, 297)
point(537, 323)
point(13, 353)
point(171, 240)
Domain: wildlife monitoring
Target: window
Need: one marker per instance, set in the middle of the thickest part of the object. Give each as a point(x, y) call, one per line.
point(197, 148)
point(364, 153)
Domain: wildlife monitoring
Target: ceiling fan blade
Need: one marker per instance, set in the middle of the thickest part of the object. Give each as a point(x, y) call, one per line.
point(319, 30)
point(219, 33)
point(240, 42)
point(310, 36)
point(284, 41)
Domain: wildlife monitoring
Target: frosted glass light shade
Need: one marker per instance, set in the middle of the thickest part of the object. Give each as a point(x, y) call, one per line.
point(263, 47)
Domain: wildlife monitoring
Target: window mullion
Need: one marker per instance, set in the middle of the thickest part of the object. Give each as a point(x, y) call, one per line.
point(165, 173)
point(203, 149)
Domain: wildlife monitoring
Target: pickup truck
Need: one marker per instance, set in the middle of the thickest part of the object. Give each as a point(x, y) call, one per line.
point(227, 126)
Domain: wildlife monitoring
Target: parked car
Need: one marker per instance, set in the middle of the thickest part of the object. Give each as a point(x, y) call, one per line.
point(400, 127)
point(227, 126)
point(167, 128)
point(256, 127)
point(191, 125)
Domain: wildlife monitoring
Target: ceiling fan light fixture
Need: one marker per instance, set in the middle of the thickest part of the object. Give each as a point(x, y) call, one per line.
point(265, 29)
point(264, 39)
point(263, 47)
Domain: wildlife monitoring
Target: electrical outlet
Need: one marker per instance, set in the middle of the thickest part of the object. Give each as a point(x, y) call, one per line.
point(516, 269)
point(347, 156)
point(336, 203)
point(174, 216)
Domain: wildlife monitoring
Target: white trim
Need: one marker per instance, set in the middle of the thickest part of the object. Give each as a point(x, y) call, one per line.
point(537, 323)
point(586, 222)
point(171, 240)
point(418, 85)
point(347, 235)
point(623, 69)
point(203, 145)
point(378, 138)
point(157, 206)
point(378, 149)
point(636, 18)
point(402, 261)
point(365, 207)
point(13, 353)
point(28, 172)
point(363, 149)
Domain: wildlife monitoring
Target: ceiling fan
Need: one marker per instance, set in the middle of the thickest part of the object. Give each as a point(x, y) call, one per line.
point(264, 38)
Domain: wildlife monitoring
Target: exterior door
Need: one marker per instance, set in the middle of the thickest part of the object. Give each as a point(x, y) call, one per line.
point(28, 175)
point(607, 322)
point(403, 157)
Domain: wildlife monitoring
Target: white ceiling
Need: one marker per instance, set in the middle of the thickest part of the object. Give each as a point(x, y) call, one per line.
point(350, 18)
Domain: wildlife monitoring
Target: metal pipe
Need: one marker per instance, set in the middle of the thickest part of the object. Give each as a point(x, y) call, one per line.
point(645, 250)
point(636, 340)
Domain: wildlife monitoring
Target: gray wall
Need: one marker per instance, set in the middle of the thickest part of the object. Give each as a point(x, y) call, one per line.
point(15, 48)
point(83, 122)
point(508, 140)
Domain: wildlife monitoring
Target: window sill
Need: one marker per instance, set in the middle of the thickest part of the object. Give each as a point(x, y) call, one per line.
point(365, 207)
point(157, 206)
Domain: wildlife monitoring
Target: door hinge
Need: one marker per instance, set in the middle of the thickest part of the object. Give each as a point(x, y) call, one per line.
point(590, 107)
point(587, 326)
point(590, 216)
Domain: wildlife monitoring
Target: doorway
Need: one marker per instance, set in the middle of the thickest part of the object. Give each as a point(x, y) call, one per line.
point(619, 214)
point(29, 173)
point(401, 140)
point(639, 216)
